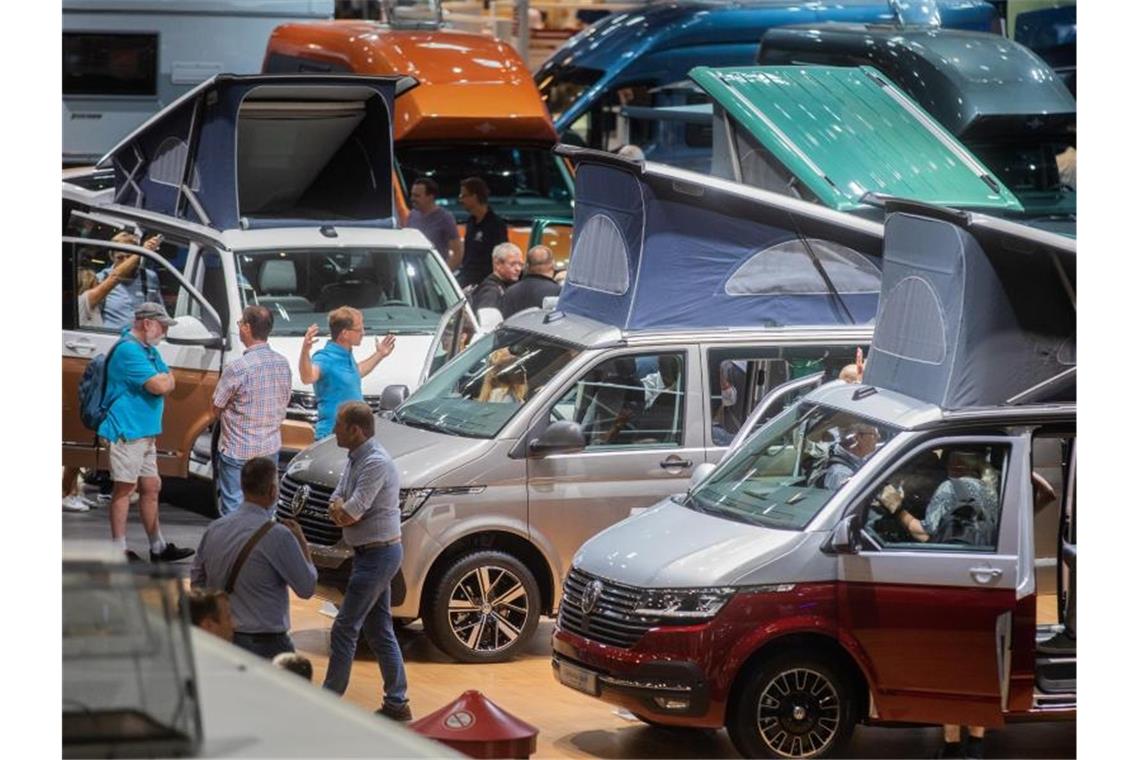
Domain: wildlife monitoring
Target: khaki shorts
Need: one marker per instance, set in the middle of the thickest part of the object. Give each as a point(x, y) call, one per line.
point(131, 460)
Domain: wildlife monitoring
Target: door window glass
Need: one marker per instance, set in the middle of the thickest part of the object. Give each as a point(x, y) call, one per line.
point(210, 280)
point(629, 401)
point(946, 498)
point(105, 303)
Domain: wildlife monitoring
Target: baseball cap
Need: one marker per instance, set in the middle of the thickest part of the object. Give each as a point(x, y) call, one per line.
point(154, 311)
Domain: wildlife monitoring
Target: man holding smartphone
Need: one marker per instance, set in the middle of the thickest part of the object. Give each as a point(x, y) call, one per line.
point(131, 289)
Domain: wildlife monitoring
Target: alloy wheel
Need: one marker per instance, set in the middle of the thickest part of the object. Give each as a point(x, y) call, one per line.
point(488, 608)
point(798, 713)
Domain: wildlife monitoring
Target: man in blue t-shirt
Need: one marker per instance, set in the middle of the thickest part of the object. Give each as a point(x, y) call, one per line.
point(137, 382)
point(333, 371)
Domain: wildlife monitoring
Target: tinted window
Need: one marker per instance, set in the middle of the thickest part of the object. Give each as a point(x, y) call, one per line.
point(109, 64)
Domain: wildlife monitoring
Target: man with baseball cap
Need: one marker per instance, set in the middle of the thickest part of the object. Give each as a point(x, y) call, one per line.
point(137, 381)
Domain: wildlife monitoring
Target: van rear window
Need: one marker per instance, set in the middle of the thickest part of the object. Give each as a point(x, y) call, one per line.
point(102, 63)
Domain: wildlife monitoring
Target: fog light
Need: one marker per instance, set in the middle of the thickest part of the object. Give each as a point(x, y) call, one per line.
point(672, 703)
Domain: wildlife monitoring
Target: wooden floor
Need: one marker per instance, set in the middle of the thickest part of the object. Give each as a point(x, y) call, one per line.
point(574, 725)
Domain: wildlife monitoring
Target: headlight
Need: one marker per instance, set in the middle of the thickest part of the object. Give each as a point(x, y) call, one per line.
point(302, 406)
point(411, 499)
point(687, 604)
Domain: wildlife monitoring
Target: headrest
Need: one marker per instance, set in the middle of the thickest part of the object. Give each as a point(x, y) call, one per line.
point(278, 276)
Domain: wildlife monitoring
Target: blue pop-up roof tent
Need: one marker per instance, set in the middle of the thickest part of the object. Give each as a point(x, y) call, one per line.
point(260, 151)
point(975, 311)
point(657, 247)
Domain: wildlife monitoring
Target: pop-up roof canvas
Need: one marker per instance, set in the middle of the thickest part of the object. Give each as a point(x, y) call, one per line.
point(657, 247)
point(975, 311)
point(266, 151)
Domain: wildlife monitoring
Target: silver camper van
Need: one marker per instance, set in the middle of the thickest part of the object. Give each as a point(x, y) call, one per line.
point(897, 551)
point(561, 423)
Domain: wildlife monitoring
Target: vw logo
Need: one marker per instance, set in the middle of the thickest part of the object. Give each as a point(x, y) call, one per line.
point(590, 596)
point(299, 500)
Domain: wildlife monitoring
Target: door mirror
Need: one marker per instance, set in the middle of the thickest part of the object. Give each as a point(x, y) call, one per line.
point(845, 536)
point(702, 471)
point(561, 437)
point(392, 396)
point(191, 332)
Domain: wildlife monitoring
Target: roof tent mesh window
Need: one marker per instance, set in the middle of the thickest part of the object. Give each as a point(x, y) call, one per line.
point(911, 325)
point(787, 268)
point(168, 163)
point(312, 152)
point(599, 258)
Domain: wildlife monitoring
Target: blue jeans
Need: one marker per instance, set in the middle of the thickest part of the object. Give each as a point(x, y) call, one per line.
point(366, 606)
point(227, 473)
point(267, 645)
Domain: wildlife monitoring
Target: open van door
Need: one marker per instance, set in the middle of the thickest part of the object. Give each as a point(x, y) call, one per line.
point(455, 332)
point(193, 351)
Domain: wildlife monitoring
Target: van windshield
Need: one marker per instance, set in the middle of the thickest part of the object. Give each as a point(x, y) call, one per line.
point(785, 473)
point(397, 291)
point(525, 182)
point(477, 394)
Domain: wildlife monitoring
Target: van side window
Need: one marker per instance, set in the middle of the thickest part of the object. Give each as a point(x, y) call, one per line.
point(104, 308)
point(741, 377)
point(629, 401)
point(946, 498)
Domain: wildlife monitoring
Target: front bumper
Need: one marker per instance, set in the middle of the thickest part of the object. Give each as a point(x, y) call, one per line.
point(647, 681)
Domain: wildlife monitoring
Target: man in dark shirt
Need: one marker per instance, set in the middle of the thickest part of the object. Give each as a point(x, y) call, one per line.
point(485, 230)
point(507, 262)
point(536, 286)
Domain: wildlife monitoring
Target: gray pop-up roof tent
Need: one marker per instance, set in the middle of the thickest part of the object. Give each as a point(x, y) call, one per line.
point(656, 247)
point(269, 150)
point(974, 311)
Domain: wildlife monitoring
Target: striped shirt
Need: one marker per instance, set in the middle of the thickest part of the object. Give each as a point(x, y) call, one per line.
point(370, 487)
point(253, 393)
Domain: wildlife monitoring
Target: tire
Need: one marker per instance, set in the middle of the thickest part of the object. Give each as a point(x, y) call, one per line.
point(808, 702)
point(473, 618)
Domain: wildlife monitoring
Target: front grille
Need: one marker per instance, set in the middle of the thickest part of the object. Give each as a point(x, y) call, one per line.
point(611, 621)
point(313, 517)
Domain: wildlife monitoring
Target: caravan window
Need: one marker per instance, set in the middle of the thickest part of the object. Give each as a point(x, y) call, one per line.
point(103, 63)
point(397, 291)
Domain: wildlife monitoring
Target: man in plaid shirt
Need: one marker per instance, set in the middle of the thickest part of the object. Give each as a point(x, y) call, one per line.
point(250, 401)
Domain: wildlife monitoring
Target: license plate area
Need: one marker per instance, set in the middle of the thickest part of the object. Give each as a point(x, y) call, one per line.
point(578, 678)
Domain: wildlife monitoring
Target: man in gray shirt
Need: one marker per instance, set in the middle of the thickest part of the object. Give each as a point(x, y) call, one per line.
point(366, 505)
point(278, 561)
point(437, 223)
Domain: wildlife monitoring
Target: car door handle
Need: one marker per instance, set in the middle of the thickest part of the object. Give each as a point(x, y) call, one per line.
point(80, 345)
point(985, 575)
point(675, 462)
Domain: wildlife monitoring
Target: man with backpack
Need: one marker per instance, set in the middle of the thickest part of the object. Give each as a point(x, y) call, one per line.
point(256, 561)
point(136, 380)
point(963, 509)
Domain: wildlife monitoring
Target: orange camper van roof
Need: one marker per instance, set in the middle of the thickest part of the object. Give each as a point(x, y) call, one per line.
point(471, 87)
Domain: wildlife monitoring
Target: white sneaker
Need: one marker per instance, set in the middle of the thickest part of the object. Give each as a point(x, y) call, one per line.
point(75, 504)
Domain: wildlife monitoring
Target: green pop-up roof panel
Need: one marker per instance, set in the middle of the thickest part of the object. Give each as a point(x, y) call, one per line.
point(846, 131)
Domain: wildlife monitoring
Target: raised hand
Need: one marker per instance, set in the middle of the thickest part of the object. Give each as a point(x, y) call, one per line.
point(386, 345)
point(310, 336)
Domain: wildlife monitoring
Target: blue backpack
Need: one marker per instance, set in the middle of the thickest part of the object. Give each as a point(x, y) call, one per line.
point(93, 389)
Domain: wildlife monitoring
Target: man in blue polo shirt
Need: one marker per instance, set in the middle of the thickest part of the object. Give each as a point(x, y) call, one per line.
point(137, 382)
point(333, 371)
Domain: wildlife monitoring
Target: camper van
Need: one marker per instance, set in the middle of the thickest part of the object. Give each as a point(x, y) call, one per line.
point(125, 60)
point(476, 112)
point(622, 59)
point(1002, 101)
point(872, 553)
point(241, 226)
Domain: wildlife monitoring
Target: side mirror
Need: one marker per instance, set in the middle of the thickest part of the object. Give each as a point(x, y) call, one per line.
point(191, 332)
point(561, 437)
point(845, 536)
point(700, 472)
point(392, 396)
